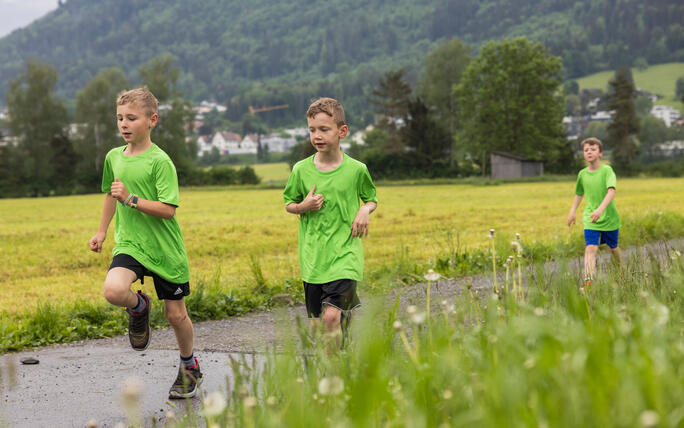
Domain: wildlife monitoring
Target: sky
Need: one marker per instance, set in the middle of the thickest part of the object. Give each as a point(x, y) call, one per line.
point(19, 13)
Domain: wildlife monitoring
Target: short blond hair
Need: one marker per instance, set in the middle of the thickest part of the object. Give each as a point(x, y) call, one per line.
point(592, 141)
point(141, 97)
point(329, 106)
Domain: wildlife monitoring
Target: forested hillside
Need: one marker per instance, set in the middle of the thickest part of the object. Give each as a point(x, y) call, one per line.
point(265, 52)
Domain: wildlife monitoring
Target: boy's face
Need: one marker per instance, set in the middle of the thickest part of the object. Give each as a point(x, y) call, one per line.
point(324, 133)
point(134, 123)
point(592, 152)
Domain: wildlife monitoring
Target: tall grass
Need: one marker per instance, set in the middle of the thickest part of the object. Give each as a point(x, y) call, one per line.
point(610, 357)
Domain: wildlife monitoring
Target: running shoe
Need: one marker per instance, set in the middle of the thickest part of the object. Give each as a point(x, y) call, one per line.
point(139, 325)
point(187, 382)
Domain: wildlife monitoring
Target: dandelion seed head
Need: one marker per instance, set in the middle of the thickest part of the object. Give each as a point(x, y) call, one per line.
point(517, 247)
point(214, 404)
point(529, 363)
point(431, 275)
point(271, 401)
point(539, 311)
point(170, 416)
point(447, 394)
point(418, 318)
point(331, 386)
point(91, 424)
point(649, 418)
point(517, 236)
point(300, 380)
point(249, 402)
point(411, 309)
point(444, 303)
point(491, 233)
point(397, 325)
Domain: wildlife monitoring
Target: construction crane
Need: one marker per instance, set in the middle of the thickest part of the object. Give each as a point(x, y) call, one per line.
point(253, 110)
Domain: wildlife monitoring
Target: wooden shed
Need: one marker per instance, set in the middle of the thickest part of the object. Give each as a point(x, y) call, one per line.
point(507, 165)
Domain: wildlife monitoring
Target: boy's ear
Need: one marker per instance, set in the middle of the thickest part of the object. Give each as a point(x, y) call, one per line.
point(153, 120)
point(344, 129)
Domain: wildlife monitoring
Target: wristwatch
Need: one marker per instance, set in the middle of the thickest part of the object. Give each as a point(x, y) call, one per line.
point(134, 202)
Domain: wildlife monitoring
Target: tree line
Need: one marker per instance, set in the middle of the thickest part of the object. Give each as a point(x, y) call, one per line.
point(509, 97)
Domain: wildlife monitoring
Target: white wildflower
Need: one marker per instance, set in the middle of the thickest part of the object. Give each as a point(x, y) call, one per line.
point(214, 404)
point(649, 418)
point(331, 386)
point(249, 402)
point(418, 317)
point(431, 275)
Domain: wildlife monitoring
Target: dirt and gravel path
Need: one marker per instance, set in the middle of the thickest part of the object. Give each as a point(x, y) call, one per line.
point(83, 381)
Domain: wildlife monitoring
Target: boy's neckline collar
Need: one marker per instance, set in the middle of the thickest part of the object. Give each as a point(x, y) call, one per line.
point(313, 161)
point(123, 152)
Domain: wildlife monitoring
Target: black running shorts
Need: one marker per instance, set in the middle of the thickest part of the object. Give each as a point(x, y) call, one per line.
point(165, 290)
point(340, 294)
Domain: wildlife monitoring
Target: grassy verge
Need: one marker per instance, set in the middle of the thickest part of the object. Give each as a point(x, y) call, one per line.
point(611, 356)
point(48, 323)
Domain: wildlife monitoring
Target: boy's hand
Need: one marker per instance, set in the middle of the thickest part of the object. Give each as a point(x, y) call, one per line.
point(311, 202)
point(571, 219)
point(96, 242)
point(360, 226)
point(596, 215)
point(119, 191)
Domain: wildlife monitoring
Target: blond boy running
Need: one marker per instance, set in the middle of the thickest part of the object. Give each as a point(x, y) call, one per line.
point(325, 190)
point(141, 188)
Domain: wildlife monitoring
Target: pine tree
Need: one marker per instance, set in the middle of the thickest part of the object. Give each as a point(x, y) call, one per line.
point(624, 128)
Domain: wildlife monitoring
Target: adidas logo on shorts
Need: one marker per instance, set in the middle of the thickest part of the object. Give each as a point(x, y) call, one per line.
point(179, 291)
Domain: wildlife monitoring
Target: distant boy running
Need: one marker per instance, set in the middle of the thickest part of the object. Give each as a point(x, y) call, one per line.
point(325, 190)
point(601, 219)
point(141, 188)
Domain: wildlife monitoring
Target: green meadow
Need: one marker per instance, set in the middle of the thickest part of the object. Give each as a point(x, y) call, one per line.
point(242, 245)
point(658, 79)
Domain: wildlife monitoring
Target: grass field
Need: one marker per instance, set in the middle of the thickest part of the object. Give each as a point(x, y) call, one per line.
point(658, 79)
point(45, 258)
point(272, 172)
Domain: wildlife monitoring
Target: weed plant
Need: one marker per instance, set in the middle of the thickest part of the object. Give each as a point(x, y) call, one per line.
point(611, 356)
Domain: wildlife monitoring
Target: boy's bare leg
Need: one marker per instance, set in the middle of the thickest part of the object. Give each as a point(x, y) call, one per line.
point(590, 261)
point(117, 287)
point(616, 255)
point(331, 320)
point(177, 316)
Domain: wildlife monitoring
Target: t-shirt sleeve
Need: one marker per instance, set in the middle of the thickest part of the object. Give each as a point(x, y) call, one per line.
point(166, 182)
point(292, 193)
point(579, 188)
point(107, 175)
point(366, 187)
point(611, 179)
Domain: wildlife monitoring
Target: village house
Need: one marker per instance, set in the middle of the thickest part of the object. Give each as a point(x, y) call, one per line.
point(665, 113)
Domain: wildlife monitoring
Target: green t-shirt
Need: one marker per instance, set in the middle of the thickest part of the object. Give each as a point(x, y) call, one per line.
point(327, 251)
point(155, 242)
point(594, 186)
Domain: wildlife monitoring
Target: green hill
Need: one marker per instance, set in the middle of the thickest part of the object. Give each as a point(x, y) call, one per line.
point(658, 79)
point(268, 52)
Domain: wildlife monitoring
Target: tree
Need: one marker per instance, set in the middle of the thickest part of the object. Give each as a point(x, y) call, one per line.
point(96, 108)
point(429, 141)
point(652, 131)
point(624, 128)
point(679, 88)
point(175, 113)
point(509, 100)
point(391, 99)
point(444, 67)
point(37, 117)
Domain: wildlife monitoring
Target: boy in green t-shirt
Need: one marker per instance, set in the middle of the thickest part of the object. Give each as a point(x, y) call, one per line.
point(325, 191)
point(601, 219)
point(141, 188)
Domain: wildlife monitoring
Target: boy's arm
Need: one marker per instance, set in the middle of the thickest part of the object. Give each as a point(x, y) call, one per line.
point(610, 195)
point(153, 208)
point(575, 203)
point(361, 221)
point(310, 203)
point(108, 211)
